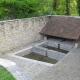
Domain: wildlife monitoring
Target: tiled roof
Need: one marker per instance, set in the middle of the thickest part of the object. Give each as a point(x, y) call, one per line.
point(64, 27)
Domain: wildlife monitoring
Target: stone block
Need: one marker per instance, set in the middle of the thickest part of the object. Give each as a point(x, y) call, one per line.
point(55, 55)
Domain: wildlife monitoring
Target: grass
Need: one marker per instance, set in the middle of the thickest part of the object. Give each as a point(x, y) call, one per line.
point(5, 75)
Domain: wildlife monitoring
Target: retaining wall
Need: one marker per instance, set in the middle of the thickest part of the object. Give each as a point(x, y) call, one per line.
point(19, 32)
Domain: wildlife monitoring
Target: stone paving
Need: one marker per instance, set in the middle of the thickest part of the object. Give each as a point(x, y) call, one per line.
point(31, 68)
point(66, 69)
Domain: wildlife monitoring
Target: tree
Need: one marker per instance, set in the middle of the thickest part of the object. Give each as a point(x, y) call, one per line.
point(18, 8)
point(73, 8)
point(24, 8)
point(61, 7)
point(67, 7)
point(10, 9)
point(78, 6)
point(55, 5)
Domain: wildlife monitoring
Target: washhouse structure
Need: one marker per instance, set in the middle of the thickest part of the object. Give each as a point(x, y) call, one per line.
point(41, 48)
point(67, 28)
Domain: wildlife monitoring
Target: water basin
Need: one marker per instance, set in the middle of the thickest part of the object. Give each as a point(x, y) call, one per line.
point(39, 57)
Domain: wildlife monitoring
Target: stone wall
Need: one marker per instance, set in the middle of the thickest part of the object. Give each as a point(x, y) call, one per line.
point(19, 32)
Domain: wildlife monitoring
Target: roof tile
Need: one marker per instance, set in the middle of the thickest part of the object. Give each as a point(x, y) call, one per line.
point(64, 27)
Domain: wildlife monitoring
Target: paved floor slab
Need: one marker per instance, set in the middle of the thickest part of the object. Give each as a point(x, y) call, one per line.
point(67, 69)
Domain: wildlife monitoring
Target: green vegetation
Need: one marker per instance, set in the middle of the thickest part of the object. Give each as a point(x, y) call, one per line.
point(5, 75)
point(78, 6)
point(11, 9)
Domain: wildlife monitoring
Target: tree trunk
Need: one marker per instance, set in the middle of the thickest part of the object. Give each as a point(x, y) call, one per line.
point(54, 4)
point(67, 7)
point(78, 6)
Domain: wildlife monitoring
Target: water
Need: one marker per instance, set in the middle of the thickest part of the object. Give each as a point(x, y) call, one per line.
point(56, 49)
point(39, 57)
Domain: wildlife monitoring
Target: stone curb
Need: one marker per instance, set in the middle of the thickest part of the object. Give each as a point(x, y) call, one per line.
point(14, 69)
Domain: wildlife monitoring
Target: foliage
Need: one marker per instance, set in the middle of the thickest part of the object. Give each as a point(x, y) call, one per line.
point(10, 9)
point(61, 7)
point(5, 75)
point(73, 8)
point(18, 8)
point(78, 6)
